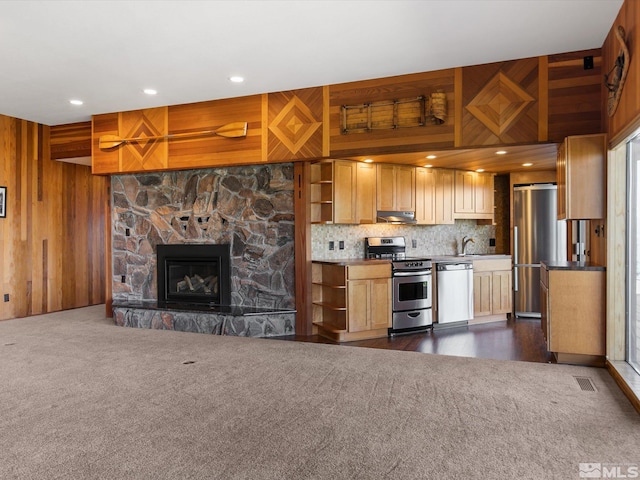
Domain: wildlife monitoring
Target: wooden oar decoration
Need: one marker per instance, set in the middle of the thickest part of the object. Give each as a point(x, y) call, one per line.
point(231, 130)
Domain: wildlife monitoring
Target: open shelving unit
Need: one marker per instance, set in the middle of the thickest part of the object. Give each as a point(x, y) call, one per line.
point(322, 192)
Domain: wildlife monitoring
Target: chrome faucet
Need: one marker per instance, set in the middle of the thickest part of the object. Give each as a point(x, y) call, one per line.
point(465, 241)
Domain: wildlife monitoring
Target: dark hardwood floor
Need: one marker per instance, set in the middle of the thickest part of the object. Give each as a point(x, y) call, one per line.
point(519, 339)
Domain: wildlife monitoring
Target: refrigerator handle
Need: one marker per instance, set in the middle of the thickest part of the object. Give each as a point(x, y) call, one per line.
point(515, 259)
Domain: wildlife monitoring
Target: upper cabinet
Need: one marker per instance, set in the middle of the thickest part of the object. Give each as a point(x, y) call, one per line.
point(395, 188)
point(425, 196)
point(365, 193)
point(581, 177)
point(473, 195)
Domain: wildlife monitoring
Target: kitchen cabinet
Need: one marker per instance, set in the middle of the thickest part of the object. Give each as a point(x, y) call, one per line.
point(395, 188)
point(572, 302)
point(473, 195)
point(443, 199)
point(425, 196)
point(492, 289)
point(365, 193)
point(344, 191)
point(581, 170)
point(351, 301)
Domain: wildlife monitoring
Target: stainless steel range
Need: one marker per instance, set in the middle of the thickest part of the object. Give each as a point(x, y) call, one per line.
point(411, 279)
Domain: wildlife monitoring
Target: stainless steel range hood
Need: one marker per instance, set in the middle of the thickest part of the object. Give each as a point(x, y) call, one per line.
point(396, 217)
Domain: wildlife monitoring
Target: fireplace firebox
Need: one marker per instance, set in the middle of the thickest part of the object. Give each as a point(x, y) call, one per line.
point(194, 274)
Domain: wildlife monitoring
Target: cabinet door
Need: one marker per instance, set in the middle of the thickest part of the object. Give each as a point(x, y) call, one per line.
point(425, 196)
point(366, 193)
point(561, 177)
point(484, 193)
point(359, 305)
point(405, 188)
point(385, 187)
point(482, 292)
point(465, 192)
point(344, 192)
point(544, 313)
point(501, 292)
point(444, 197)
point(380, 302)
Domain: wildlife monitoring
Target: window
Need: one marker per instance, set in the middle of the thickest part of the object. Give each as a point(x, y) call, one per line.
point(633, 254)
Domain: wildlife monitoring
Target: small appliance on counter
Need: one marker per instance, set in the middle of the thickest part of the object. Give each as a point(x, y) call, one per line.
point(411, 280)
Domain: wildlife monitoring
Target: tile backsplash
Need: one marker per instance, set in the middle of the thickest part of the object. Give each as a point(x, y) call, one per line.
point(429, 239)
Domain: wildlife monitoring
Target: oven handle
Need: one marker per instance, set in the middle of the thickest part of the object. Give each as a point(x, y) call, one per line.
point(414, 273)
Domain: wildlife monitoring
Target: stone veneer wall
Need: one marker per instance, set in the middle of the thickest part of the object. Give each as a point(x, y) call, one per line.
point(249, 207)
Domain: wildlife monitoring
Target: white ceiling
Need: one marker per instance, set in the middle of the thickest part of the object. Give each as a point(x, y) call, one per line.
point(106, 52)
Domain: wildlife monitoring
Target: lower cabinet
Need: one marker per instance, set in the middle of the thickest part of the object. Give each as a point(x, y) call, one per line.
point(492, 289)
point(351, 302)
point(572, 304)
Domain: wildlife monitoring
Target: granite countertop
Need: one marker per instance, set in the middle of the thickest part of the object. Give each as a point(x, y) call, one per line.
point(555, 265)
point(434, 258)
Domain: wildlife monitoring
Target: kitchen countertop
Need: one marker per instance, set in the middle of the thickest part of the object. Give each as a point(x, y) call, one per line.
point(434, 259)
point(554, 265)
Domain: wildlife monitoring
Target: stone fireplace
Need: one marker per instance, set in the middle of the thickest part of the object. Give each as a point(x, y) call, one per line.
point(249, 209)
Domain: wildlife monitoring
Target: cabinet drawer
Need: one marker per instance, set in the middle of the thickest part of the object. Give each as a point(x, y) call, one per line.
point(355, 272)
point(492, 265)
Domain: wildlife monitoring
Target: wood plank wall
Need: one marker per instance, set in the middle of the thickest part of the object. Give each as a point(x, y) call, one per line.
point(627, 116)
point(52, 239)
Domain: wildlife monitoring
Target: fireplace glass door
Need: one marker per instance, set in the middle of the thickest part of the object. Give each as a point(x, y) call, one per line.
point(196, 282)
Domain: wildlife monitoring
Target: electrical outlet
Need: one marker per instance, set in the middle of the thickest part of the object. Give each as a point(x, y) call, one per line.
point(123, 279)
point(588, 63)
point(332, 245)
point(414, 243)
point(492, 242)
point(341, 244)
point(6, 297)
point(127, 232)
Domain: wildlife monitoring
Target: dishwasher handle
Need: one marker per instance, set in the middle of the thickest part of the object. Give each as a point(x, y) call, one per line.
point(449, 267)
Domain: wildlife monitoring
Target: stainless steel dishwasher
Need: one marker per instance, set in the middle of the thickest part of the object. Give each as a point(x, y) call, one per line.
point(455, 292)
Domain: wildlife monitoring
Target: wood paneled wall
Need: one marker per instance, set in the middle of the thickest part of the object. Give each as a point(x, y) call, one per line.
point(627, 116)
point(52, 239)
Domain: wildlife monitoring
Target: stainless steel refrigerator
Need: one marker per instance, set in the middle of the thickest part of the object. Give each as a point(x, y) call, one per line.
point(537, 236)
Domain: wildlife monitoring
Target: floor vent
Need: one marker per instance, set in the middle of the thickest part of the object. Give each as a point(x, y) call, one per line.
point(586, 384)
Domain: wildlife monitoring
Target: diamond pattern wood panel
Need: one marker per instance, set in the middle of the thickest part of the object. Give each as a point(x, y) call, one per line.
point(500, 103)
point(144, 155)
point(295, 127)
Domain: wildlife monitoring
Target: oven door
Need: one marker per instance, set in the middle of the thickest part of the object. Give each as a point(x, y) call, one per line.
point(411, 290)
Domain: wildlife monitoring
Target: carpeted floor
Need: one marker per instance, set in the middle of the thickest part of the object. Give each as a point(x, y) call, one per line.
point(81, 398)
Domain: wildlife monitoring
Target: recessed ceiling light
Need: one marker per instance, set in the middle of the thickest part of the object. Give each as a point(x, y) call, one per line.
point(76, 102)
point(480, 170)
point(527, 164)
point(428, 166)
point(236, 79)
point(501, 152)
point(150, 91)
point(430, 157)
point(368, 160)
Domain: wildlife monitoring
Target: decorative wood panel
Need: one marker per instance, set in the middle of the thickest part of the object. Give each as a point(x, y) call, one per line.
point(500, 103)
point(294, 125)
point(390, 88)
point(71, 140)
point(52, 255)
point(627, 116)
point(199, 151)
point(575, 95)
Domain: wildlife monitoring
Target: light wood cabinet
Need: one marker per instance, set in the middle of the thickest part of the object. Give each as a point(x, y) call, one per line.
point(344, 191)
point(473, 195)
point(395, 188)
point(351, 302)
point(581, 171)
point(366, 193)
point(492, 289)
point(573, 314)
point(443, 199)
point(425, 196)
